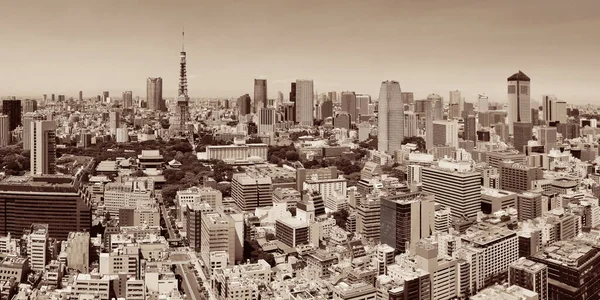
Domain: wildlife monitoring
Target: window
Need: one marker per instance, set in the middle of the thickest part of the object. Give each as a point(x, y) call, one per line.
point(512, 89)
point(524, 90)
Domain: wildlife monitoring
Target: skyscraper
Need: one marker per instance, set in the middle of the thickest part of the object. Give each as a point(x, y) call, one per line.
point(80, 96)
point(410, 123)
point(244, 105)
point(4, 131)
point(279, 99)
point(470, 132)
point(456, 186)
point(438, 106)
point(363, 102)
point(519, 100)
point(332, 96)
point(561, 112)
point(326, 109)
point(28, 120)
point(127, 99)
point(12, 108)
point(43, 147)
point(523, 132)
point(406, 219)
point(483, 103)
point(456, 98)
point(304, 102)
point(29, 105)
point(114, 121)
point(266, 120)
point(105, 96)
point(429, 116)
point(349, 105)
point(547, 137)
point(260, 94)
point(408, 98)
point(390, 131)
point(548, 108)
point(445, 133)
point(154, 94)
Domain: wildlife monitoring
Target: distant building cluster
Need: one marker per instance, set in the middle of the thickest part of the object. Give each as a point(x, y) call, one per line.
point(337, 195)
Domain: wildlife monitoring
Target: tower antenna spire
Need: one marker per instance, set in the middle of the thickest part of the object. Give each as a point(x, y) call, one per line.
point(182, 38)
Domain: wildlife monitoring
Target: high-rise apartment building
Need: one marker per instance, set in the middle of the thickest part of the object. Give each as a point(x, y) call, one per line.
point(43, 147)
point(519, 100)
point(349, 105)
point(12, 108)
point(127, 99)
point(260, 94)
point(390, 130)
point(154, 94)
point(304, 102)
point(406, 219)
point(456, 186)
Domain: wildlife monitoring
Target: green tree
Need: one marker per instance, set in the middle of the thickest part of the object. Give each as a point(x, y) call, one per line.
point(419, 141)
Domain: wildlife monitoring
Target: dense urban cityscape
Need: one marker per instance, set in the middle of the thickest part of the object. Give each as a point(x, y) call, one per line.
point(305, 196)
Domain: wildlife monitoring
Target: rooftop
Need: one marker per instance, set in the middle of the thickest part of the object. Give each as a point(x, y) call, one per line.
point(567, 253)
point(483, 234)
point(293, 222)
point(519, 76)
point(528, 265)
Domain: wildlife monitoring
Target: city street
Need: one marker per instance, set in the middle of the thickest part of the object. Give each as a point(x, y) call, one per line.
point(190, 284)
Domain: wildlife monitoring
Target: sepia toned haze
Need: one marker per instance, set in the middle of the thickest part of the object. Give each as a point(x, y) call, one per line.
point(428, 46)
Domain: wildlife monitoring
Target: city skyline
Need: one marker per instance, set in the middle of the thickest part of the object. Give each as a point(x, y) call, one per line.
point(446, 46)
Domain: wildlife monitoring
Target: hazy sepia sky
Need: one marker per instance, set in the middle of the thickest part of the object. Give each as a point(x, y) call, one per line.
point(64, 46)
